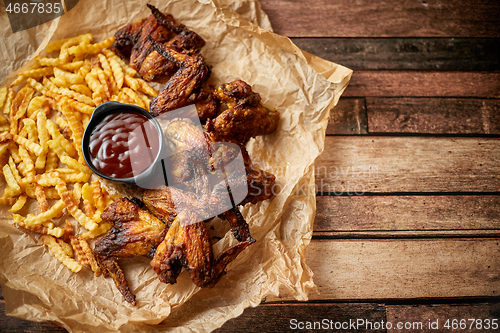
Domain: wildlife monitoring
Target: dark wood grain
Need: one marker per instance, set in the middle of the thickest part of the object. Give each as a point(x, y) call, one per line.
point(287, 317)
point(421, 115)
point(348, 117)
point(444, 54)
point(359, 164)
point(393, 18)
point(423, 84)
point(407, 213)
point(433, 115)
point(439, 314)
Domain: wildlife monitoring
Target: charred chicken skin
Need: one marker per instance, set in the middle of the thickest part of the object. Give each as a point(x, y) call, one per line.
point(134, 232)
point(131, 42)
point(201, 178)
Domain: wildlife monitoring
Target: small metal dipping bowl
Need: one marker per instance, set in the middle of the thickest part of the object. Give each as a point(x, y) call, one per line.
point(98, 115)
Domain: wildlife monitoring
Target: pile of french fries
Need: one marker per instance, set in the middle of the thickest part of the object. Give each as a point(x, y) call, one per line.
point(45, 112)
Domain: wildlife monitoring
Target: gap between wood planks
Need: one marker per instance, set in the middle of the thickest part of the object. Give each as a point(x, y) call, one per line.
point(403, 269)
point(418, 316)
point(415, 116)
point(443, 54)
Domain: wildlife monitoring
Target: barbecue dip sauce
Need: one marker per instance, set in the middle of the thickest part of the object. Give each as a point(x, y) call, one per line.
point(124, 144)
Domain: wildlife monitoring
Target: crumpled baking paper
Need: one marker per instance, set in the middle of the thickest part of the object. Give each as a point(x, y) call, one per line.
point(302, 87)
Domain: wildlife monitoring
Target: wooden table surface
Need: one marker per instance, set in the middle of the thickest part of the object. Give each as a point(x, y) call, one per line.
point(408, 215)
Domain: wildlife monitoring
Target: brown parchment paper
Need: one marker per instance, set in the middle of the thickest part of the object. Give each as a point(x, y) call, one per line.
point(302, 87)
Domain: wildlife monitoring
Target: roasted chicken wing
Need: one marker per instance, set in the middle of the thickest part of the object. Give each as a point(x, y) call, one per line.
point(245, 117)
point(135, 232)
point(132, 43)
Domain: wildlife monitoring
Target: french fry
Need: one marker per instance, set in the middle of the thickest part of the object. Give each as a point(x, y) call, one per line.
point(14, 108)
point(146, 88)
point(15, 171)
point(11, 181)
point(72, 208)
point(60, 82)
point(8, 101)
point(124, 98)
point(41, 198)
point(127, 70)
point(91, 48)
point(109, 73)
point(76, 96)
point(6, 137)
point(71, 66)
point(82, 89)
point(3, 120)
point(36, 103)
point(77, 192)
point(37, 73)
point(100, 230)
point(115, 67)
point(46, 228)
point(61, 122)
point(68, 77)
point(28, 162)
point(145, 99)
point(85, 69)
point(60, 139)
point(75, 165)
point(98, 195)
point(81, 107)
point(75, 125)
point(84, 254)
point(31, 129)
point(133, 95)
point(51, 160)
point(42, 89)
point(30, 145)
point(48, 179)
point(67, 248)
point(59, 253)
point(43, 136)
point(4, 147)
point(88, 200)
point(3, 96)
point(53, 212)
point(20, 202)
point(56, 45)
point(98, 93)
point(85, 120)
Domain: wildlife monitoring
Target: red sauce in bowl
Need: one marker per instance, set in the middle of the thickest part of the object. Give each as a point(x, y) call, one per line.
point(124, 144)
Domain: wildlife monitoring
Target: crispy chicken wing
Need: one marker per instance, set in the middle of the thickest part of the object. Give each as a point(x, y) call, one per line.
point(245, 117)
point(135, 232)
point(189, 78)
point(132, 43)
point(187, 244)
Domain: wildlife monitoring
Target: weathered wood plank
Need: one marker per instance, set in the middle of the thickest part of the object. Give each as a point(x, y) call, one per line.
point(393, 18)
point(434, 316)
point(423, 84)
point(407, 213)
point(444, 54)
point(296, 316)
point(433, 115)
point(403, 269)
point(355, 165)
point(348, 117)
